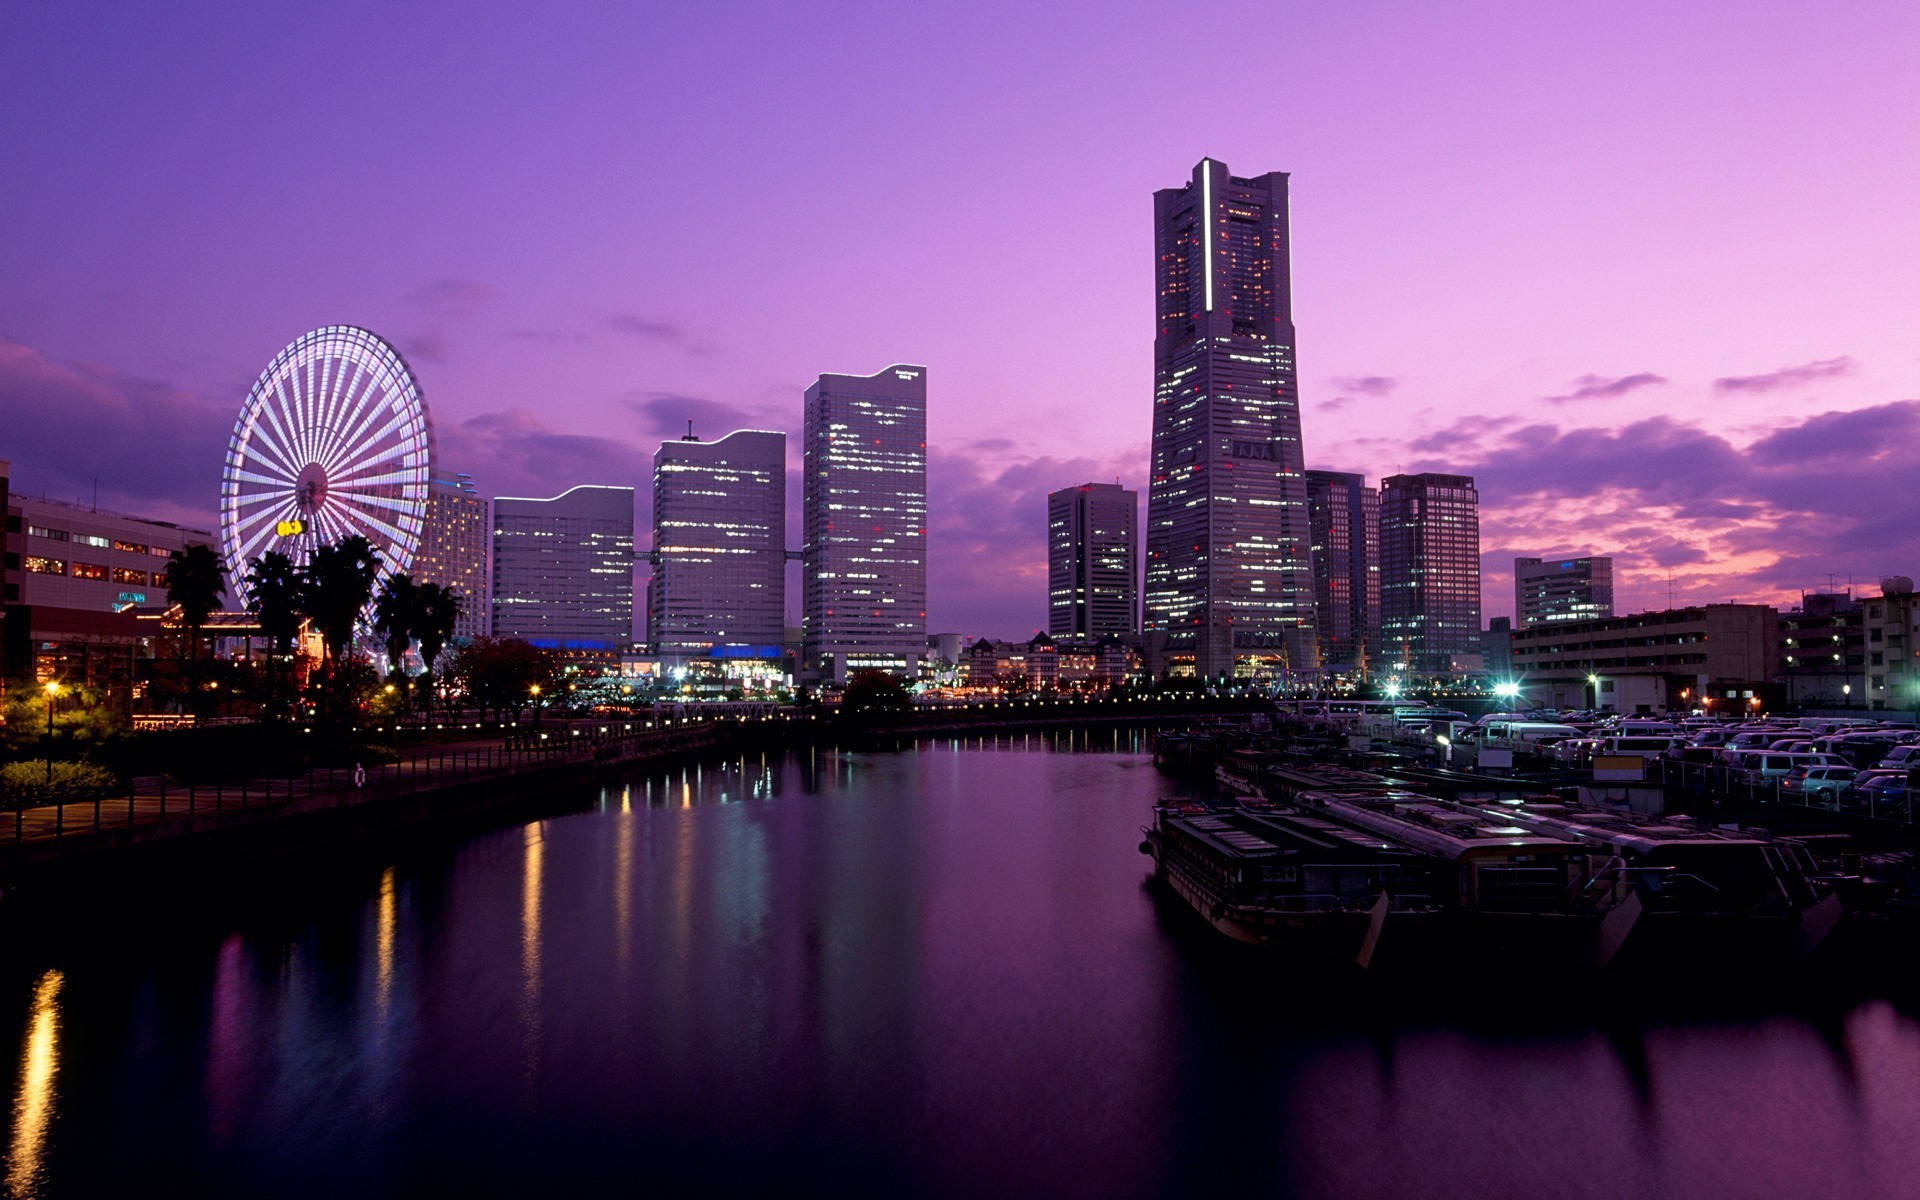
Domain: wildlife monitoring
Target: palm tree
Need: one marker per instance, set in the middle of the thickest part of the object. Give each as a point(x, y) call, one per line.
point(273, 597)
point(437, 611)
point(197, 583)
point(335, 588)
point(396, 614)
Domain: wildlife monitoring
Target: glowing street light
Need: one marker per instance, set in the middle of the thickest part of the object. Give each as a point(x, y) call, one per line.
point(53, 691)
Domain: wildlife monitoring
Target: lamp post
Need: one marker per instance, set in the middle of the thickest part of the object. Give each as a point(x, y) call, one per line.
point(53, 690)
point(535, 691)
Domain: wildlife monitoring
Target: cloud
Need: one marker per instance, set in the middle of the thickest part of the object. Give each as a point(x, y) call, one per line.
point(1335, 404)
point(454, 299)
point(1830, 492)
point(69, 426)
point(665, 415)
point(1366, 385)
point(548, 337)
point(658, 329)
point(1826, 368)
point(1600, 387)
point(430, 346)
point(986, 543)
point(512, 452)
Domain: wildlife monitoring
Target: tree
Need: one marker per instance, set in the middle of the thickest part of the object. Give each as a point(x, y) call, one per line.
point(875, 692)
point(438, 611)
point(197, 583)
point(335, 588)
point(274, 598)
point(501, 673)
point(396, 614)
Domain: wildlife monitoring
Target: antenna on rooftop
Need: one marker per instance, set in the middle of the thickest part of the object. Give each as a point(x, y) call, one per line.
point(689, 437)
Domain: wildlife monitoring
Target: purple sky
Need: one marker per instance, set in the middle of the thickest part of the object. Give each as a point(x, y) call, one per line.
point(1651, 272)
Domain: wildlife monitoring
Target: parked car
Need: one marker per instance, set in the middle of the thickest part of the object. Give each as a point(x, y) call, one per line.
point(1887, 796)
point(1817, 785)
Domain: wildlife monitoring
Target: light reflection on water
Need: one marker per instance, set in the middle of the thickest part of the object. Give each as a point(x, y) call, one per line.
point(929, 973)
point(33, 1101)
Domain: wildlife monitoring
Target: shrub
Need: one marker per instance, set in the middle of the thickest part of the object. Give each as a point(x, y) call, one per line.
point(27, 782)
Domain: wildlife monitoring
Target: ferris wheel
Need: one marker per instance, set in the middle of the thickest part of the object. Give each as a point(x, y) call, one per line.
point(334, 440)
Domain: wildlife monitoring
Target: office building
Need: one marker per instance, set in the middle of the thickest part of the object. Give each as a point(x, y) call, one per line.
point(864, 451)
point(1719, 654)
point(1496, 648)
point(453, 549)
point(719, 548)
point(1562, 589)
point(1430, 572)
point(1823, 650)
point(1892, 624)
point(1228, 580)
point(74, 556)
point(1092, 561)
point(563, 569)
point(1344, 517)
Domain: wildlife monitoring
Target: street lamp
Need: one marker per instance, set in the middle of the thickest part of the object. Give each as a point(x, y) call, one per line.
point(535, 690)
point(53, 690)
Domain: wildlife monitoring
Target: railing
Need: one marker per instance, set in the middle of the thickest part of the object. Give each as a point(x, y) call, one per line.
point(154, 801)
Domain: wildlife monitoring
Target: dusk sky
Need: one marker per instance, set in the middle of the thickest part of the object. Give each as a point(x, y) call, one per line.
point(1651, 272)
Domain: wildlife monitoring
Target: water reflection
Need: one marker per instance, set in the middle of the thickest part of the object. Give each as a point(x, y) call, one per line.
point(533, 843)
point(933, 972)
point(33, 1102)
point(383, 944)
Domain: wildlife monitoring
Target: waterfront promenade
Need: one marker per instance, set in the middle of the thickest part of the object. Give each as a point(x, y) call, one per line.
point(450, 777)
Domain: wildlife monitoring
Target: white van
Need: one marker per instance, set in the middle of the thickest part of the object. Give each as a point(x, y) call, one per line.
point(1645, 748)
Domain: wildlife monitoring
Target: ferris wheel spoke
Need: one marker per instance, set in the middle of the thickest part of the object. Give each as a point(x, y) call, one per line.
point(276, 496)
point(251, 543)
point(390, 503)
point(335, 418)
point(377, 441)
point(271, 408)
point(265, 439)
point(338, 438)
point(389, 473)
point(261, 450)
point(360, 514)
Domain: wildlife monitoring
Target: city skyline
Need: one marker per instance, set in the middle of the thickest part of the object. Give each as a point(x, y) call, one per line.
point(1669, 348)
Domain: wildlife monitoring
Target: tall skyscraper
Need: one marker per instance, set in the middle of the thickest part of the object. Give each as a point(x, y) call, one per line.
point(865, 500)
point(1228, 576)
point(453, 549)
point(1344, 514)
point(1093, 560)
point(1562, 589)
point(719, 542)
point(1429, 570)
point(563, 569)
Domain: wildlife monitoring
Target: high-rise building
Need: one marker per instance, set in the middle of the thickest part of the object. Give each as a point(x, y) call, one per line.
point(12, 530)
point(1093, 561)
point(453, 549)
point(1562, 589)
point(1344, 515)
point(1429, 570)
point(1228, 578)
point(563, 569)
point(865, 500)
point(719, 544)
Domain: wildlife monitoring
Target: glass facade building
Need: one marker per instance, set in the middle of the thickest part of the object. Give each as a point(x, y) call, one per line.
point(1429, 570)
point(864, 448)
point(563, 569)
point(1228, 577)
point(1562, 589)
point(1093, 561)
point(453, 549)
point(1344, 514)
point(719, 547)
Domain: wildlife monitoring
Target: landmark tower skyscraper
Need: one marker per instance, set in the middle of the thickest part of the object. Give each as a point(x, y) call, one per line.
point(1228, 574)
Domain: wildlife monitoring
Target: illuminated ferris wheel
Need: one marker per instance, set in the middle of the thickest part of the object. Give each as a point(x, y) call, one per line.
point(334, 440)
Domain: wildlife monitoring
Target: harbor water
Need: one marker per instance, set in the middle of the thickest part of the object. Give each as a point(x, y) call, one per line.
point(935, 971)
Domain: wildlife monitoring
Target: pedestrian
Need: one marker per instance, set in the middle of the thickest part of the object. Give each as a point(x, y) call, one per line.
point(359, 776)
